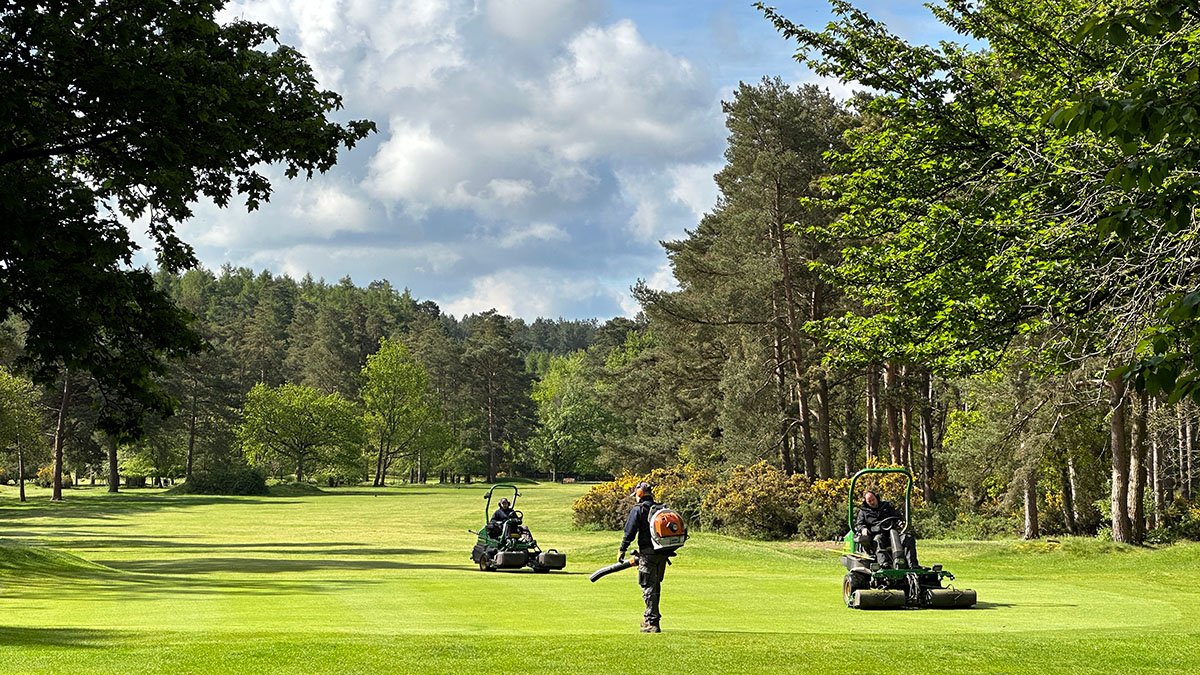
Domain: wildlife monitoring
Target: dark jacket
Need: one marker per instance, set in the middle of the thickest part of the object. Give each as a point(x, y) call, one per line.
point(502, 514)
point(638, 525)
point(870, 518)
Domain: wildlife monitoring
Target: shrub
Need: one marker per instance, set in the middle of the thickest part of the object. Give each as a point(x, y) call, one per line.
point(756, 502)
point(607, 505)
point(45, 478)
point(230, 481)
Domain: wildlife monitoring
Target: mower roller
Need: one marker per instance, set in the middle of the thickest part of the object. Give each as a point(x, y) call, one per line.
point(868, 586)
point(505, 546)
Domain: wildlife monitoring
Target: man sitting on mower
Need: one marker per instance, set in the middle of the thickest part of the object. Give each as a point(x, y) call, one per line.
point(879, 523)
point(503, 515)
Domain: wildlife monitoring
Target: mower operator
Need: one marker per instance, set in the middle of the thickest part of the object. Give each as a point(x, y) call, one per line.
point(879, 522)
point(504, 514)
point(651, 565)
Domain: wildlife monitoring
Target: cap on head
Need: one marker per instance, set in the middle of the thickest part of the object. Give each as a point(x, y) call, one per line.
point(642, 490)
point(504, 501)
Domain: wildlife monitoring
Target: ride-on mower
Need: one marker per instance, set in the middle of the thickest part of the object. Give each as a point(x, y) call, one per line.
point(510, 545)
point(869, 586)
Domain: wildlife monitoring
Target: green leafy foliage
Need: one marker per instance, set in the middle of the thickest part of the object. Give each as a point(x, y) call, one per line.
point(314, 431)
point(115, 111)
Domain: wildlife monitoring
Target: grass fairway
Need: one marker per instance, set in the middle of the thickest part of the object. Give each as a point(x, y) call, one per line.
point(380, 580)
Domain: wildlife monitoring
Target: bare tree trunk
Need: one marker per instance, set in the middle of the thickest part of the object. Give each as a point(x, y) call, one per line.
point(1121, 528)
point(1137, 473)
point(1156, 474)
point(20, 470)
point(926, 424)
point(905, 420)
point(849, 435)
point(1068, 498)
point(810, 471)
point(59, 434)
point(191, 446)
point(873, 425)
point(1073, 478)
point(824, 459)
point(1031, 506)
point(891, 384)
point(782, 394)
point(114, 473)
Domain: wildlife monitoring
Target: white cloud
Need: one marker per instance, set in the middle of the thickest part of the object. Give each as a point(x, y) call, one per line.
point(534, 232)
point(522, 292)
point(668, 201)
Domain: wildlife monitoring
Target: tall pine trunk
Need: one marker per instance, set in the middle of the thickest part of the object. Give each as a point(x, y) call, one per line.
point(824, 458)
point(1122, 531)
point(1031, 506)
point(59, 434)
point(874, 428)
point(926, 424)
point(890, 382)
point(1068, 497)
point(114, 473)
point(810, 471)
point(20, 470)
point(1137, 473)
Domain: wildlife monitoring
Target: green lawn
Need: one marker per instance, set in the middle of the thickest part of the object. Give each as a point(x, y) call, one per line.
point(381, 580)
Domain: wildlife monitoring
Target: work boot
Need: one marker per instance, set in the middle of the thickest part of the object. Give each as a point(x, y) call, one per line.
point(646, 627)
point(654, 628)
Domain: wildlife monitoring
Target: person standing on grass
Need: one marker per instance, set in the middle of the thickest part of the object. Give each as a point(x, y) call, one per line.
point(651, 564)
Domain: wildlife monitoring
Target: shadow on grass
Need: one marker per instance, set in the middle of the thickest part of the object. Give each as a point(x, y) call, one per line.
point(55, 637)
point(1027, 605)
point(239, 565)
point(108, 506)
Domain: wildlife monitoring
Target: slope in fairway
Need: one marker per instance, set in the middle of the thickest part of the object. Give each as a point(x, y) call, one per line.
point(381, 580)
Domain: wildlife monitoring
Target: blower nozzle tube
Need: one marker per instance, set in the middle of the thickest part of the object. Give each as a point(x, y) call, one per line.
point(615, 567)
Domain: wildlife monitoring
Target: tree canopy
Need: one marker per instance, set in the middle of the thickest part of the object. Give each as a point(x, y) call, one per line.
point(121, 112)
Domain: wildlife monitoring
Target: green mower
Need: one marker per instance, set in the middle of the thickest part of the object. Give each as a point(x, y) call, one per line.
point(510, 545)
point(868, 586)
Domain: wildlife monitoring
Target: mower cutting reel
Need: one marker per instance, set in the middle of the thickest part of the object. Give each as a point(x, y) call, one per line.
point(510, 545)
point(867, 585)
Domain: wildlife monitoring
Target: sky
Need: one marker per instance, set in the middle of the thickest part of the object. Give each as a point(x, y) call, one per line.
point(531, 154)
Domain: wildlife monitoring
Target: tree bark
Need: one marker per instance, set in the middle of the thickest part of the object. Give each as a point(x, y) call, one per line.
point(806, 434)
point(1121, 528)
point(1137, 473)
point(59, 434)
point(926, 424)
point(1031, 507)
point(824, 459)
point(1073, 478)
point(1156, 475)
point(191, 446)
point(1068, 498)
point(905, 420)
point(114, 473)
point(874, 428)
point(891, 385)
point(782, 394)
point(21, 470)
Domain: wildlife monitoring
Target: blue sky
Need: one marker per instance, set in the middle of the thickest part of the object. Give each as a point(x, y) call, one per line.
point(531, 154)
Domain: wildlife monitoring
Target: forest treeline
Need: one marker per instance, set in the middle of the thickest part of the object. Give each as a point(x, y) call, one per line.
point(983, 270)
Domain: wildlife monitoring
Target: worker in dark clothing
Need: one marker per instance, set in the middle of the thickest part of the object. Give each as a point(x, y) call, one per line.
point(651, 565)
point(879, 522)
point(503, 515)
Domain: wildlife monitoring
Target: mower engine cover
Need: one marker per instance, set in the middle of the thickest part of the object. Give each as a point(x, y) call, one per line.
point(667, 529)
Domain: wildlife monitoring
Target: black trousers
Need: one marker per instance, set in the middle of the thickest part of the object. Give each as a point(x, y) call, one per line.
point(651, 568)
point(904, 549)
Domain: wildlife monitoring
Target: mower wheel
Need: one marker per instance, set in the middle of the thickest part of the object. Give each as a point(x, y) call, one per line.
point(852, 582)
point(483, 564)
